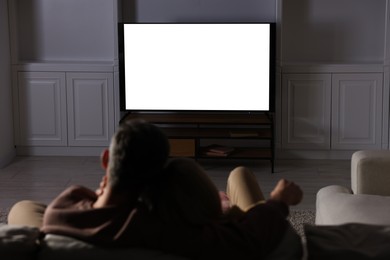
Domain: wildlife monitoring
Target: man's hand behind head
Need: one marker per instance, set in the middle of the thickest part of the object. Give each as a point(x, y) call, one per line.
point(287, 192)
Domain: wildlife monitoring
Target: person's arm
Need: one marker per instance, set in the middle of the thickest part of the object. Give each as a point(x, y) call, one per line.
point(287, 192)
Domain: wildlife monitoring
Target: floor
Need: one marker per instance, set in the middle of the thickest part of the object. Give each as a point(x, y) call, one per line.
point(42, 178)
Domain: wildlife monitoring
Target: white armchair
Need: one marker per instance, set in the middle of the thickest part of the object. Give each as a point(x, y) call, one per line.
point(368, 199)
point(370, 172)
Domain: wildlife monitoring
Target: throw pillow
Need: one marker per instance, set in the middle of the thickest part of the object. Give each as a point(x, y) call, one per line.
point(18, 242)
point(348, 241)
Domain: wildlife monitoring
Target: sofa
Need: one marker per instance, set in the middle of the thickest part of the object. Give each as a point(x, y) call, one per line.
point(27, 243)
point(354, 222)
point(322, 242)
point(367, 201)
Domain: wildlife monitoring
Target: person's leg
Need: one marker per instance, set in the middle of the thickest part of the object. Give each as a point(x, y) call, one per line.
point(26, 212)
point(244, 192)
point(243, 189)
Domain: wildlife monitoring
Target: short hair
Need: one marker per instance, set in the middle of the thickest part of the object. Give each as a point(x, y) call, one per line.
point(138, 152)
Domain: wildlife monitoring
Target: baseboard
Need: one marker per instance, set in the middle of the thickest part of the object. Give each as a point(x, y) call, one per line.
point(313, 154)
point(96, 151)
point(58, 151)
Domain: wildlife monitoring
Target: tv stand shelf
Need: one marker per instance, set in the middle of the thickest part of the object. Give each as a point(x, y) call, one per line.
point(186, 131)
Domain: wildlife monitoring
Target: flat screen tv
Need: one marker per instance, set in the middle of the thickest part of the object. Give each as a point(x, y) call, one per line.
point(202, 67)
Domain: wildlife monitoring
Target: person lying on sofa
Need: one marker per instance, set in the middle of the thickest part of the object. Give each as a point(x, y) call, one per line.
point(135, 205)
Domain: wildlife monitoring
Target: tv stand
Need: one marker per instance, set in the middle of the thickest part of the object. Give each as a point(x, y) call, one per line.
point(187, 133)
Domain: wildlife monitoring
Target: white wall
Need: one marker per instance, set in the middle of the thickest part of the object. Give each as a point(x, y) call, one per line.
point(70, 30)
point(333, 31)
point(7, 151)
point(199, 10)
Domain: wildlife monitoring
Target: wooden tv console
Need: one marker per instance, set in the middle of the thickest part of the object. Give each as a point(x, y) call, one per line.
point(186, 131)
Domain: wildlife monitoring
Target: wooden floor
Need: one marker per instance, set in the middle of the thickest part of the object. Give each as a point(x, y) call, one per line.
point(42, 178)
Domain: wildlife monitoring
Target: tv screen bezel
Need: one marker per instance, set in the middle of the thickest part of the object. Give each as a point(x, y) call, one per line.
point(272, 71)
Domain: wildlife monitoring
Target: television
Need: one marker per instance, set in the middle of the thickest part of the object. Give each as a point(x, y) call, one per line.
point(200, 67)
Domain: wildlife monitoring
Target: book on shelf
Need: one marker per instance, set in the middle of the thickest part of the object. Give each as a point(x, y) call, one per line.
point(219, 150)
point(209, 153)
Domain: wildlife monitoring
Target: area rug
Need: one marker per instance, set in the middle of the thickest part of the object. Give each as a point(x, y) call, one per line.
point(298, 218)
point(3, 216)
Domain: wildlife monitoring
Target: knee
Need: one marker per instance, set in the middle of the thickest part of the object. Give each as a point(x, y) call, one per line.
point(240, 171)
point(19, 205)
point(25, 209)
point(25, 204)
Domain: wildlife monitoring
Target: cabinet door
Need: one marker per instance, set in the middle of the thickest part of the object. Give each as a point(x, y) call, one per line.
point(42, 109)
point(306, 111)
point(357, 111)
point(90, 108)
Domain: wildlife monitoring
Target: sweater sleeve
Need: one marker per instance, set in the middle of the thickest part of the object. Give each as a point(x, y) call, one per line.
point(71, 214)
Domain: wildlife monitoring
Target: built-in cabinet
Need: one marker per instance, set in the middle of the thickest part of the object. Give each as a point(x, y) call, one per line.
point(338, 111)
point(357, 111)
point(306, 110)
point(65, 109)
point(90, 109)
point(41, 108)
point(334, 77)
point(65, 75)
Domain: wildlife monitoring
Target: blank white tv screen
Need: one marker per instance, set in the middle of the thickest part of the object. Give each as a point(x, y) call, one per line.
point(197, 67)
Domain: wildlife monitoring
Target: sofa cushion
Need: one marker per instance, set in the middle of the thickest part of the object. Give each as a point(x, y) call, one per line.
point(348, 241)
point(64, 248)
point(18, 242)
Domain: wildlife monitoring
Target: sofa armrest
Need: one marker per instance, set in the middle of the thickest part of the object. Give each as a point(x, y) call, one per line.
point(326, 203)
point(337, 205)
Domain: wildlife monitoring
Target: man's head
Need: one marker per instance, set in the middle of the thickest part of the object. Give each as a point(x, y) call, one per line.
point(137, 154)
